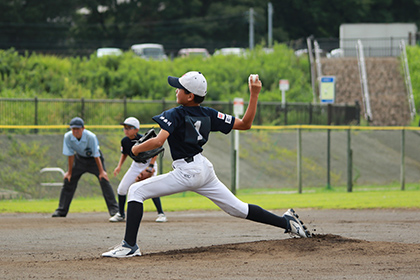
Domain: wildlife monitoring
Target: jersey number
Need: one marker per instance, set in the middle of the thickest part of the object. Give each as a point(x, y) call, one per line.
point(197, 130)
point(197, 126)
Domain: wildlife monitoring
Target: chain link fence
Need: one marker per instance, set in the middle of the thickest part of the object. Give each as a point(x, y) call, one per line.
point(279, 159)
point(37, 111)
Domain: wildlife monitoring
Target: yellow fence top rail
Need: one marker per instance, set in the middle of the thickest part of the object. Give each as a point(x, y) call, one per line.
point(336, 127)
point(262, 127)
point(66, 126)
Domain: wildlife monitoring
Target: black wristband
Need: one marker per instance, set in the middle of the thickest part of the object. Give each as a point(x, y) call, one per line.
point(151, 165)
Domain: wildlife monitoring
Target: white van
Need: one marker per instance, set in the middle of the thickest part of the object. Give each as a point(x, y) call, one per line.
point(108, 51)
point(149, 51)
point(230, 51)
point(201, 52)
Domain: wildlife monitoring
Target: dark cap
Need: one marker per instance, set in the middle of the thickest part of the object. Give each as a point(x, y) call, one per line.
point(77, 123)
point(174, 82)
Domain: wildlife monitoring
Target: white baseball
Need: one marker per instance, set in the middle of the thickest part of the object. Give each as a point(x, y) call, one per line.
point(253, 77)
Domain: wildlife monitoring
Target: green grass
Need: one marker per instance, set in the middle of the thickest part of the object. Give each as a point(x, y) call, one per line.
point(366, 197)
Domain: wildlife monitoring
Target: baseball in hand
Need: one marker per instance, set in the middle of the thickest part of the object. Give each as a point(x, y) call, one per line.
point(253, 78)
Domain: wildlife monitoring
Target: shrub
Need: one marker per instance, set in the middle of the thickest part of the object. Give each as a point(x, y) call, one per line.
point(126, 75)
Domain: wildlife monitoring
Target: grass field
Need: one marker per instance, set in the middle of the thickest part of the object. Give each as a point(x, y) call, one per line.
point(319, 198)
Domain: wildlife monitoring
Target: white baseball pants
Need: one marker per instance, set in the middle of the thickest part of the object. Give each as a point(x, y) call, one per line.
point(197, 176)
point(130, 176)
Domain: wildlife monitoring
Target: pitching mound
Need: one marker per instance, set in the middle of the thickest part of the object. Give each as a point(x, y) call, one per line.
point(211, 245)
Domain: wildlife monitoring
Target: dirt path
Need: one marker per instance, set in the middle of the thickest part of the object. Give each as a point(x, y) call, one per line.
point(348, 244)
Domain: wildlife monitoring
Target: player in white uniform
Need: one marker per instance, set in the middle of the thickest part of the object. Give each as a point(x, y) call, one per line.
point(138, 170)
point(187, 128)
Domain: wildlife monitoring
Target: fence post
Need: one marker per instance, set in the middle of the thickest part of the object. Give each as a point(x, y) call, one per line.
point(328, 158)
point(357, 105)
point(310, 113)
point(329, 114)
point(285, 114)
point(160, 163)
point(83, 109)
point(233, 164)
point(160, 159)
point(402, 179)
point(299, 159)
point(36, 114)
point(349, 163)
point(346, 114)
point(125, 107)
point(258, 112)
point(391, 41)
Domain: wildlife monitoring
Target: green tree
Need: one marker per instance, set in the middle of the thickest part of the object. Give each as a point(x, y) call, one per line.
point(89, 24)
point(35, 24)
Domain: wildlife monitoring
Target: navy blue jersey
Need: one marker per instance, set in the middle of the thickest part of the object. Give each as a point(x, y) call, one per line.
point(127, 144)
point(189, 128)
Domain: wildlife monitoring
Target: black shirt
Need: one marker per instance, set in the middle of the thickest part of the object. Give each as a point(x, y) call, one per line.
point(127, 144)
point(189, 128)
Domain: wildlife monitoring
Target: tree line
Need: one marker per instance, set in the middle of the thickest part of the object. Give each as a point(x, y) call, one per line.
point(71, 27)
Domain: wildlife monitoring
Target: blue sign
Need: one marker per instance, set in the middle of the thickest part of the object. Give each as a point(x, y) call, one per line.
point(327, 89)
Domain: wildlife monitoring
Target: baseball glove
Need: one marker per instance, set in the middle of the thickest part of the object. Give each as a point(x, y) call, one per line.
point(144, 156)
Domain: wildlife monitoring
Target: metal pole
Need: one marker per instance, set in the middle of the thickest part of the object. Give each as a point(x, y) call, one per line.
point(349, 163)
point(285, 115)
point(160, 163)
point(364, 80)
point(329, 114)
point(283, 99)
point(310, 113)
point(311, 66)
point(402, 160)
point(328, 158)
point(83, 109)
point(407, 79)
point(391, 41)
point(270, 25)
point(237, 157)
point(318, 60)
point(36, 114)
point(161, 154)
point(251, 28)
point(125, 107)
point(233, 165)
point(299, 159)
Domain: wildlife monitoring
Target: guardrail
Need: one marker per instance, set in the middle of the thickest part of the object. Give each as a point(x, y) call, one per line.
point(52, 169)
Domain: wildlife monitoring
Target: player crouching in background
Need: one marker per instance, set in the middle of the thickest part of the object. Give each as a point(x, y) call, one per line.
point(138, 171)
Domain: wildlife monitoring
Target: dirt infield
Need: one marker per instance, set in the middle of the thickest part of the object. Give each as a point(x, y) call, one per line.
point(348, 244)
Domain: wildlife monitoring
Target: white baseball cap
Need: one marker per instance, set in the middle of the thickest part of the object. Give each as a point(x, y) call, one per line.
point(132, 121)
point(192, 81)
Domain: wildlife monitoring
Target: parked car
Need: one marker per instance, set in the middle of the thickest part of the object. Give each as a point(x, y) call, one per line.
point(335, 53)
point(230, 51)
point(202, 52)
point(108, 51)
point(149, 51)
point(268, 50)
point(301, 52)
